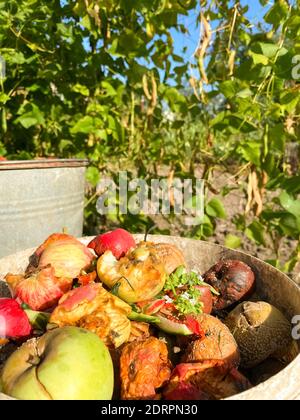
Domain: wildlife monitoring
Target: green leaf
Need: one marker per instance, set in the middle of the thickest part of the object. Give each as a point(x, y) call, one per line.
point(231, 89)
point(278, 13)
point(233, 241)
point(264, 2)
point(244, 93)
point(289, 101)
point(277, 137)
point(290, 225)
point(65, 144)
point(290, 204)
point(4, 98)
point(259, 58)
point(292, 184)
point(256, 232)
point(12, 56)
point(93, 175)
point(88, 125)
point(83, 90)
point(176, 100)
point(31, 118)
point(228, 89)
point(215, 208)
point(130, 44)
point(84, 125)
point(86, 22)
point(109, 90)
point(251, 152)
point(268, 50)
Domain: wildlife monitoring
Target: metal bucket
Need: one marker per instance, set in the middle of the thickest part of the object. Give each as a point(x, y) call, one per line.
point(38, 198)
point(272, 286)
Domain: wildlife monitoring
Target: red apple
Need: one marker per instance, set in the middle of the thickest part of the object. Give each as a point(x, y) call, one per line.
point(14, 322)
point(119, 242)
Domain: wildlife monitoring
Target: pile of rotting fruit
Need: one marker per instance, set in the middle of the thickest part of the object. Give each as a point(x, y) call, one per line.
point(117, 319)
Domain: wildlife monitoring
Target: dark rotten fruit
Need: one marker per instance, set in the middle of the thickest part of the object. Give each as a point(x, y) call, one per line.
point(233, 280)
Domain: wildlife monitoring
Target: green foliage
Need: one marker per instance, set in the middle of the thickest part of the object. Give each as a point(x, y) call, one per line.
point(102, 80)
point(233, 241)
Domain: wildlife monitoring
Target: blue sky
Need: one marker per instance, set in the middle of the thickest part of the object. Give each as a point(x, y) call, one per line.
point(190, 41)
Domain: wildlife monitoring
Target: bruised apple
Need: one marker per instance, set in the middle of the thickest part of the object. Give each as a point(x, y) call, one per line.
point(64, 364)
point(68, 256)
point(40, 289)
point(52, 269)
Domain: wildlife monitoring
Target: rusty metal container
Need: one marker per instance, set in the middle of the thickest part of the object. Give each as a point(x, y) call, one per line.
point(272, 286)
point(38, 198)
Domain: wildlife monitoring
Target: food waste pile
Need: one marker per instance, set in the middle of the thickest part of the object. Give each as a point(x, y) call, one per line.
point(123, 320)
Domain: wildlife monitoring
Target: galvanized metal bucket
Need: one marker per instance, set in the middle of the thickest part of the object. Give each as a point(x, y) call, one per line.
point(272, 286)
point(38, 198)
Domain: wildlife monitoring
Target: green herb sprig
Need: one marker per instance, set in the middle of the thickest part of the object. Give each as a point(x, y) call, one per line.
point(187, 302)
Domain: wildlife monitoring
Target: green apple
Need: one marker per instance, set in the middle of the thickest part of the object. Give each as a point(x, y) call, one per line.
point(64, 364)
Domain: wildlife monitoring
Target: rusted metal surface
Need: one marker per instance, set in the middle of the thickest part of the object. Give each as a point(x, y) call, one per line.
point(38, 198)
point(272, 286)
point(42, 164)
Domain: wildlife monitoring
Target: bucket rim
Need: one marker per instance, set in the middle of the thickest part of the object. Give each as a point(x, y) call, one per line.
point(10, 165)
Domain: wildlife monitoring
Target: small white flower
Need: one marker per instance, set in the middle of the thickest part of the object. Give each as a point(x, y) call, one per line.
point(168, 299)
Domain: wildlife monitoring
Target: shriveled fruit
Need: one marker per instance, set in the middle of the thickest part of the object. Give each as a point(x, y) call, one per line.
point(136, 277)
point(66, 255)
point(14, 322)
point(217, 343)
point(144, 368)
point(95, 309)
point(52, 239)
point(170, 255)
point(209, 380)
point(40, 289)
point(139, 331)
point(233, 280)
point(64, 364)
point(260, 330)
point(119, 242)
